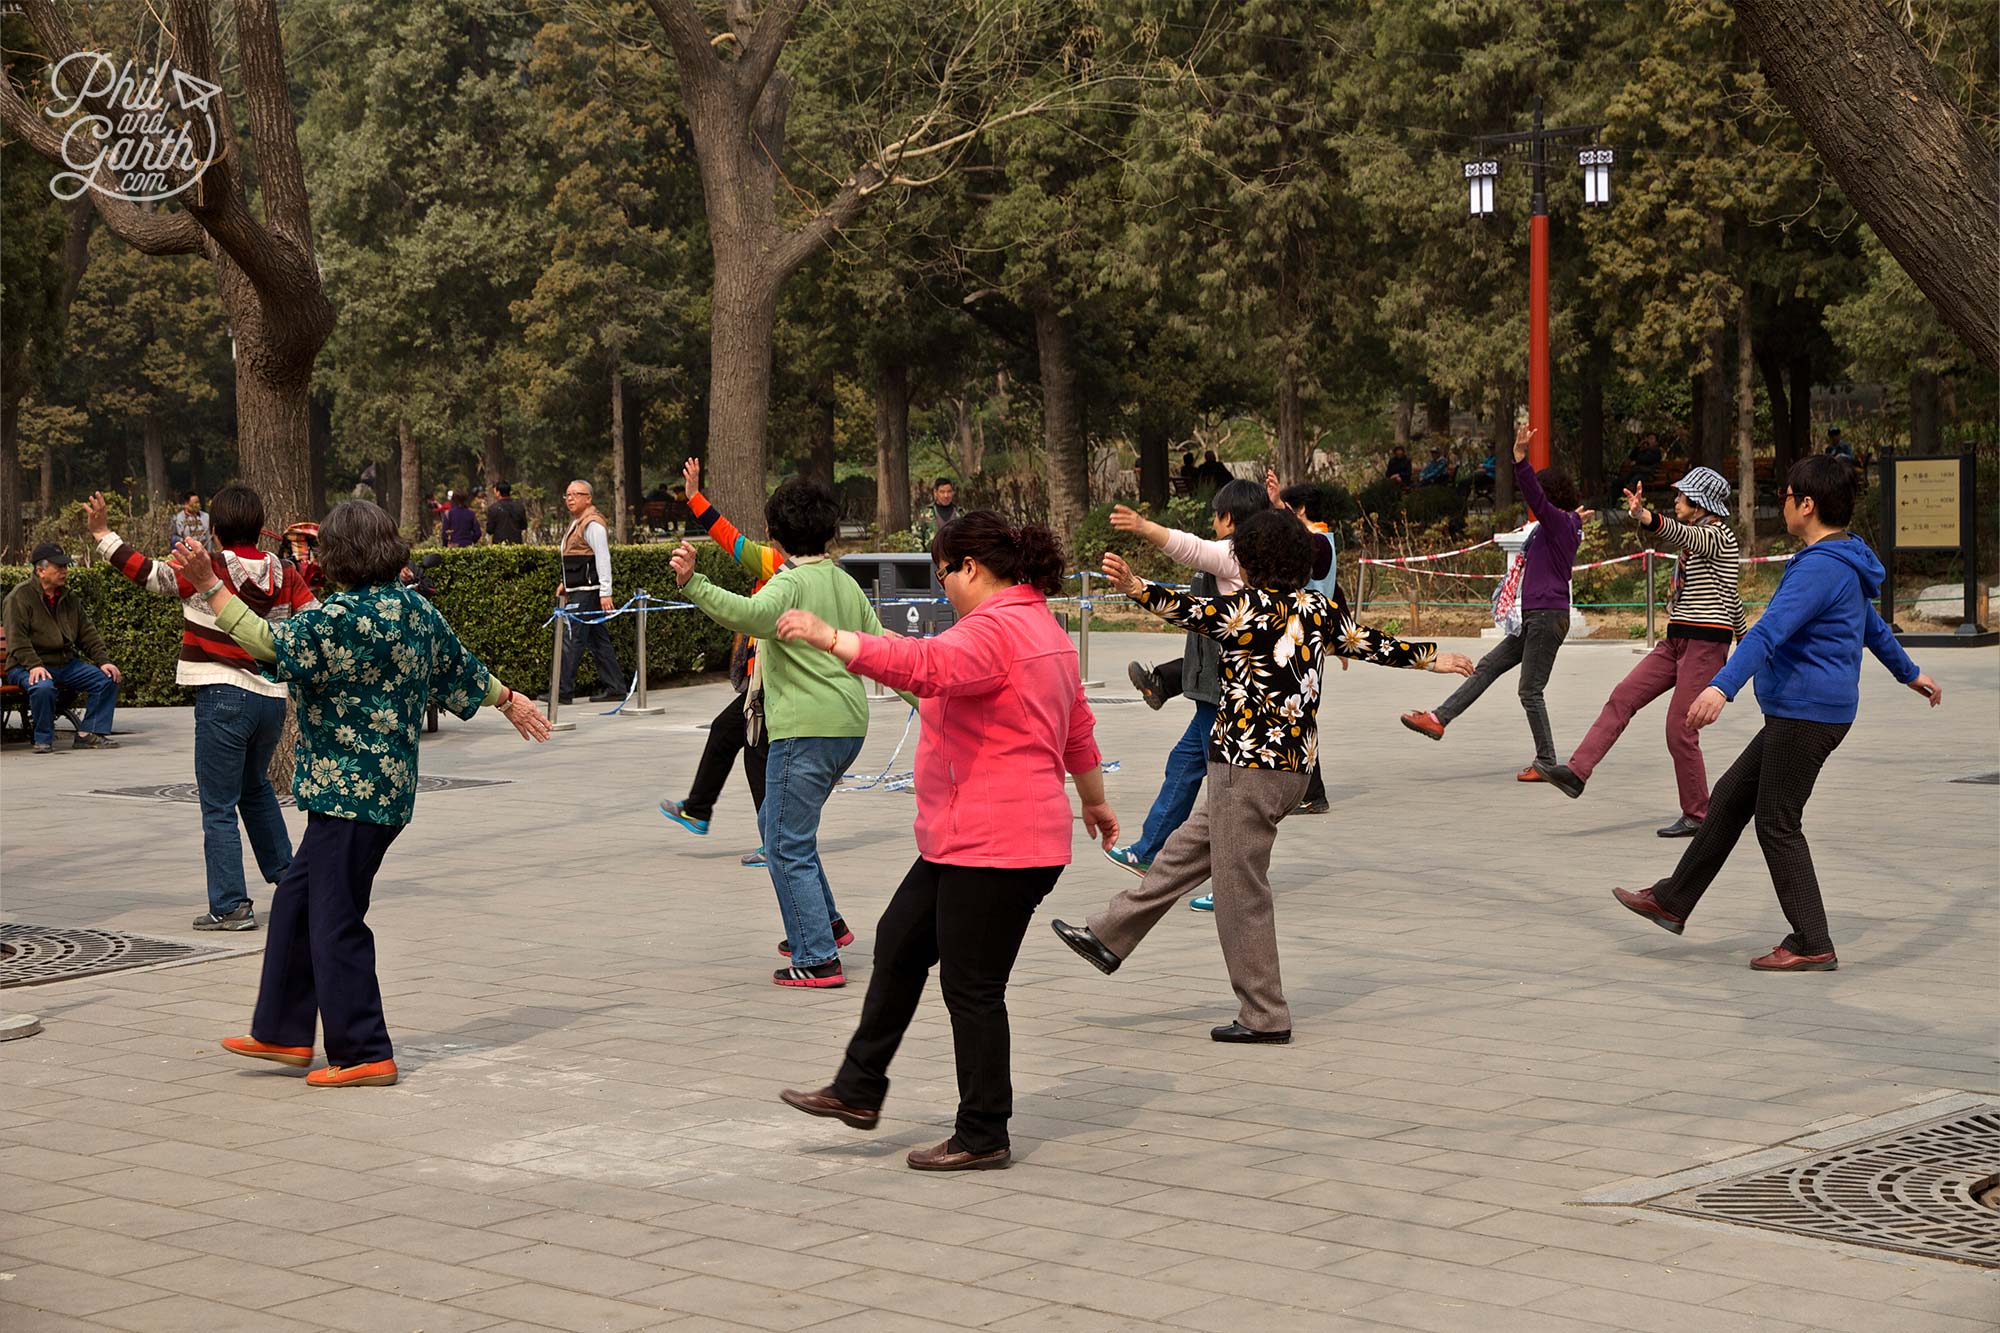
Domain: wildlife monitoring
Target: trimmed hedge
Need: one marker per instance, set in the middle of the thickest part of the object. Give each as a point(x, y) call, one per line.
point(496, 598)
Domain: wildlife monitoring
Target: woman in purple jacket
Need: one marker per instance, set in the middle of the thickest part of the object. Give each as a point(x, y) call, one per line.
point(1551, 497)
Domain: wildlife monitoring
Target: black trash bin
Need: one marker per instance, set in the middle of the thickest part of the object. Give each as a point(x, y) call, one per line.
point(913, 603)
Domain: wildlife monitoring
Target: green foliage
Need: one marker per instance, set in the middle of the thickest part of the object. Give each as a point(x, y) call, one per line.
point(1095, 535)
point(495, 597)
point(1382, 498)
point(1429, 506)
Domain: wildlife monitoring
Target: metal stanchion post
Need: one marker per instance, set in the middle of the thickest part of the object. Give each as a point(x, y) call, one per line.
point(1083, 636)
point(639, 707)
point(1650, 640)
point(876, 689)
point(555, 675)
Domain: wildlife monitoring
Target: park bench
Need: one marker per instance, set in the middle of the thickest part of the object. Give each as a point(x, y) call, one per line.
point(14, 701)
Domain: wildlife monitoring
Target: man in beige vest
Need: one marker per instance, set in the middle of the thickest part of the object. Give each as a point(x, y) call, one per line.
point(586, 587)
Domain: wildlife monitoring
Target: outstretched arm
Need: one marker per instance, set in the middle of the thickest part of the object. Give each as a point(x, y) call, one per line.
point(970, 658)
point(156, 576)
point(760, 560)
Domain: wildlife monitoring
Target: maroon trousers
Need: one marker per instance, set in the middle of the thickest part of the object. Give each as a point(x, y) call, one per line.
point(1685, 666)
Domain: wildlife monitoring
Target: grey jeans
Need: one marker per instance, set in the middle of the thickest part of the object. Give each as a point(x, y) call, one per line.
point(1534, 651)
point(1229, 839)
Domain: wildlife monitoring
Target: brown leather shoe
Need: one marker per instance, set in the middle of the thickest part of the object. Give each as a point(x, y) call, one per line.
point(824, 1103)
point(944, 1157)
point(1644, 904)
point(1425, 724)
point(1782, 959)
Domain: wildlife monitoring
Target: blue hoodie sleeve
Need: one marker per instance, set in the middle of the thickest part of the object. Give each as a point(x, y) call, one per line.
point(1881, 641)
point(1802, 594)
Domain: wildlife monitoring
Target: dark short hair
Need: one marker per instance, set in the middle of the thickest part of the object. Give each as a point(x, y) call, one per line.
point(803, 516)
point(1559, 486)
point(237, 513)
point(1237, 499)
point(192, 495)
point(504, 488)
point(1208, 455)
point(1829, 483)
point(1314, 498)
point(1188, 457)
point(1027, 554)
point(359, 545)
point(1275, 552)
point(944, 481)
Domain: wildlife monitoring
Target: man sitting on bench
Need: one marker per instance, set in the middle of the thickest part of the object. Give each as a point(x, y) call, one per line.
point(52, 646)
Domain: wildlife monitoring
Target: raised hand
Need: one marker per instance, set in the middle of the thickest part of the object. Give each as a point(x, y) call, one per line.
point(94, 510)
point(1635, 503)
point(1120, 574)
point(683, 563)
point(691, 474)
point(796, 626)
point(1127, 519)
point(196, 568)
point(1522, 439)
point(1271, 486)
point(1706, 707)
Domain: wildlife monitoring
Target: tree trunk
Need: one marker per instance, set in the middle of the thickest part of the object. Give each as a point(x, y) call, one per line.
point(743, 319)
point(1405, 417)
point(493, 458)
point(319, 432)
point(1293, 465)
point(48, 479)
point(1746, 420)
point(1437, 415)
point(1800, 444)
point(620, 454)
point(892, 447)
point(12, 488)
point(1590, 425)
point(1062, 419)
point(821, 465)
point(1154, 442)
point(410, 481)
point(1713, 405)
point(1924, 412)
point(194, 470)
point(1772, 367)
point(1905, 155)
point(155, 444)
point(273, 437)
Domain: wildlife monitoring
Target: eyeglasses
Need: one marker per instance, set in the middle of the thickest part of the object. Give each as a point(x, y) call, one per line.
point(571, 495)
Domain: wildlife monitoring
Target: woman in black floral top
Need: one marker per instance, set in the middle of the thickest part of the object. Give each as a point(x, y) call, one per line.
point(1275, 637)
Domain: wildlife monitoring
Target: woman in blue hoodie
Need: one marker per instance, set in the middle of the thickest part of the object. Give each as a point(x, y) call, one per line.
point(1805, 653)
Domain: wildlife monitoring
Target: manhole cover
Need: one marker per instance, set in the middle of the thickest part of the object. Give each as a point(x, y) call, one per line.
point(187, 793)
point(1983, 779)
point(32, 955)
point(1915, 1190)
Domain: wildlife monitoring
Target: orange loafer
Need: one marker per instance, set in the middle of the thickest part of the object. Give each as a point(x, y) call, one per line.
point(296, 1056)
point(375, 1074)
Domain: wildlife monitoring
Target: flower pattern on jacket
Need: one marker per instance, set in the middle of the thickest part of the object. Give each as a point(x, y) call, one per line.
point(362, 666)
point(1271, 644)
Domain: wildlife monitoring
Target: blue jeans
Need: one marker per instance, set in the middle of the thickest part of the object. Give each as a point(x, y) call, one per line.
point(100, 692)
point(1187, 765)
point(798, 777)
point(235, 731)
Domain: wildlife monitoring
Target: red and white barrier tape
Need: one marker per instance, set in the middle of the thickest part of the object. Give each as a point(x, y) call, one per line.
point(1595, 564)
point(1422, 559)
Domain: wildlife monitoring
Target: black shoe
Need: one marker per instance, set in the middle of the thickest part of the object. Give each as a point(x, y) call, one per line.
point(606, 697)
point(1684, 827)
point(1080, 939)
point(1560, 777)
point(92, 740)
point(1237, 1032)
point(543, 697)
point(1147, 684)
point(1311, 807)
point(243, 918)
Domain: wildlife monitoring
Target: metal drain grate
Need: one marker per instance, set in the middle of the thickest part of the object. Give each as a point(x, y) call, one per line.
point(187, 793)
point(1982, 779)
point(35, 955)
point(1913, 1191)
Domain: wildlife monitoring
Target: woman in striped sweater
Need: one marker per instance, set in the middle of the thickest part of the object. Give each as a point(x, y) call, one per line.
point(1704, 616)
point(239, 712)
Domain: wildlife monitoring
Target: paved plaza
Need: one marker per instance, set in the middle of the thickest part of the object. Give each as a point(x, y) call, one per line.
point(1489, 1055)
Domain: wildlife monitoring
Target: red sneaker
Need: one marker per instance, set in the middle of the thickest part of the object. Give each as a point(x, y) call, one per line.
point(1529, 774)
point(1782, 959)
point(296, 1056)
point(1425, 724)
point(374, 1074)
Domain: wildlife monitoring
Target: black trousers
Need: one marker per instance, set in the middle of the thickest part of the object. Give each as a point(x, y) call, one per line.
point(1168, 674)
point(1770, 782)
point(727, 734)
point(1534, 651)
point(319, 955)
point(969, 921)
point(594, 638)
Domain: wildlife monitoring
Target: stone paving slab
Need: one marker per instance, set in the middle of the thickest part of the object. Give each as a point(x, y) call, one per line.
point(587, 1136)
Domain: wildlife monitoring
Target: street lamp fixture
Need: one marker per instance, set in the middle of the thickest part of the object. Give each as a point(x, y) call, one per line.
point(1479, 186)
point(1596, 163)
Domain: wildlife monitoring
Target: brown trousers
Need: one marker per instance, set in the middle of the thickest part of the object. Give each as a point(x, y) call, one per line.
point(1228, 839)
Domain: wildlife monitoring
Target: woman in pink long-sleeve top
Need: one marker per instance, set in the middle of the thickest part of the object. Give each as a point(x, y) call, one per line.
point(1003, 721)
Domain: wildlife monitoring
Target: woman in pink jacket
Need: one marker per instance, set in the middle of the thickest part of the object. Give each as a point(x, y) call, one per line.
point(1003, 721)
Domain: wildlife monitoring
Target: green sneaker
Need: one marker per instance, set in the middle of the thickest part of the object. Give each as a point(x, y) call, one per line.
point(1205, 903)
point(1122, 856)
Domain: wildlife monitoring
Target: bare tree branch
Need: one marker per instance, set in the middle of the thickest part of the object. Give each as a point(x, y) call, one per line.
point(760, 53)
point(688, 35)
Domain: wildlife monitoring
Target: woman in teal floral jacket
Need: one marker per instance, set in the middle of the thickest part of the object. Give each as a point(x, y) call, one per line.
point(362, 667)
point(1277, 638)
